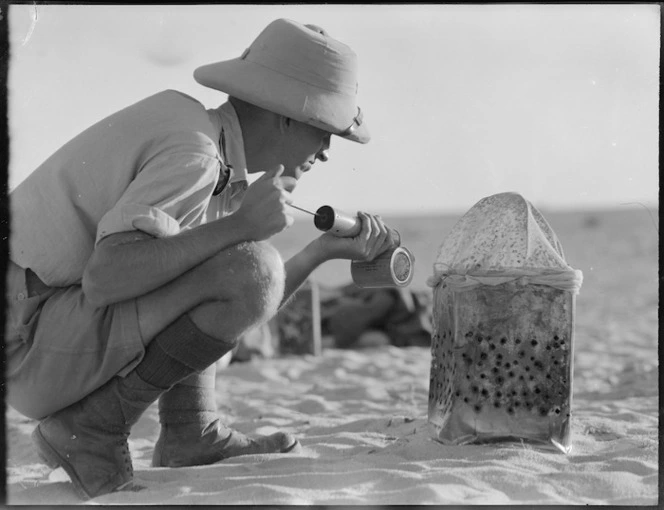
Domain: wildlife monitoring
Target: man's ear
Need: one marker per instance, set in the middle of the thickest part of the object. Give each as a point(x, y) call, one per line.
point(284, 123)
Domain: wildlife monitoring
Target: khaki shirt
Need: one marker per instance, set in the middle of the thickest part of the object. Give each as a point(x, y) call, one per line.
point(152, 166)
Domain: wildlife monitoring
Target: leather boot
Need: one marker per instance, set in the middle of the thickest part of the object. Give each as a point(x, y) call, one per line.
point(89, 438)
point(191, 433)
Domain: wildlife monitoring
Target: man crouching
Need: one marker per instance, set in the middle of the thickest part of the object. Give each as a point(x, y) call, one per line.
point(139, 255)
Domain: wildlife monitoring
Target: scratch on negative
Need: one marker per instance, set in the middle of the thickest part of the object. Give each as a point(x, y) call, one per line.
point(32, 25)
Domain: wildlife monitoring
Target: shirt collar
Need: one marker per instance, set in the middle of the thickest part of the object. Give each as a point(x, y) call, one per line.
point(224, 118)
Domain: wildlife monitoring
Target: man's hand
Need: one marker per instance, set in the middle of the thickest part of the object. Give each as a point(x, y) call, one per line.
point(264, 210)
point(372, 240)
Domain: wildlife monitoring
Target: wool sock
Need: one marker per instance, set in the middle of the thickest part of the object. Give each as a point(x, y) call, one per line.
point(192, 400)
point(178, 351)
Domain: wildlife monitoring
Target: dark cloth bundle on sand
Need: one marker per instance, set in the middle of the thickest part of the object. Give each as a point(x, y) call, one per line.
point(403, 316)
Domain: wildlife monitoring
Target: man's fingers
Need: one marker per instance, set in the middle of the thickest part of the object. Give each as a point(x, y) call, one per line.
point(382, 226)
point(379, 236)
point(288, 183)
point(387, 237)
point(375, 227)
point(378, 240)
point(366, 225)
point(286, 197)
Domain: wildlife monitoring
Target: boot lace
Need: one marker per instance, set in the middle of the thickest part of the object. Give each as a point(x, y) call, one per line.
point(126, 455)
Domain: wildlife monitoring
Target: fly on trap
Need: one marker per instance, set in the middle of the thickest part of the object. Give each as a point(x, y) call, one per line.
point(503, 333)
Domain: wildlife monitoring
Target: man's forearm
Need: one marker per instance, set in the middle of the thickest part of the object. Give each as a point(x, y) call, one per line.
point(127, 265)
point(300, 266)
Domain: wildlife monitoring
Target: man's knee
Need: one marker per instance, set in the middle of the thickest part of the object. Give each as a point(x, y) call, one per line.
point(256, 280)
point(229, 293)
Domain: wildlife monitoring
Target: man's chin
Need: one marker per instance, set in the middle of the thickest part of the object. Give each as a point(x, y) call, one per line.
point(290, 182)
point(296, 173)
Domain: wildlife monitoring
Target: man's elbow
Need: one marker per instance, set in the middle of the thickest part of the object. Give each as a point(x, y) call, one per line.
point(104, 280)
point(95, 289)
point(92, 292)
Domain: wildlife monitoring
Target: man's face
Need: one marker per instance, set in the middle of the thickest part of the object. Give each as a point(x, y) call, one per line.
point(301, 146)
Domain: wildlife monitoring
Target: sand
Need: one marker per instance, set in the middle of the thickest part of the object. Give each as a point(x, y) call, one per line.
point(360, 415)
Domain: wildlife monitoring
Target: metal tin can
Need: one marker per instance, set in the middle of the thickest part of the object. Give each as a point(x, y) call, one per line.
point(393, 268)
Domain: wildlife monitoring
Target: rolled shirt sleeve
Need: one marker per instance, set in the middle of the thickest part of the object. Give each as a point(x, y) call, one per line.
point(171, 190)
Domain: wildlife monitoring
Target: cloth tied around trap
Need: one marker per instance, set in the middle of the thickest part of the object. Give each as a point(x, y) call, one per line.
point(503, 316)
point(569, 280)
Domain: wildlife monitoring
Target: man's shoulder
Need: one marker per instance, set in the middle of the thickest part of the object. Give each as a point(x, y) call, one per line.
point(179, 97)
point(169, 101)
point(168, 111)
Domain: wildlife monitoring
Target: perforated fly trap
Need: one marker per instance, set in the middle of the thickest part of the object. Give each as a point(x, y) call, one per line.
point(503, 336)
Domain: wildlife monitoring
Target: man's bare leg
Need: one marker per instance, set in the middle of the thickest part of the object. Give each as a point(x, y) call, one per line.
point(238, 289)
point(225, 296)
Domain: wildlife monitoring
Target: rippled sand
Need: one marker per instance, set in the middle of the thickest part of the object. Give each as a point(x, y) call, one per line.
point(361, 415)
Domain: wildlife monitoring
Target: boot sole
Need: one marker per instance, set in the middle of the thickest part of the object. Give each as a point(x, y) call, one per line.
point(54, 460)
point(158, 462)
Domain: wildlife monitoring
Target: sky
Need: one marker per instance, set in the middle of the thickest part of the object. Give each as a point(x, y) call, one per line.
point(557, 102)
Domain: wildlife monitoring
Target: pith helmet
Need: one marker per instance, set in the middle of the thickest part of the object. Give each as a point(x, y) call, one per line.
point(298, 71)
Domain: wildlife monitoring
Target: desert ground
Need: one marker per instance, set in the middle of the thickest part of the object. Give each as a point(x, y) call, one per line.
point(361, 414)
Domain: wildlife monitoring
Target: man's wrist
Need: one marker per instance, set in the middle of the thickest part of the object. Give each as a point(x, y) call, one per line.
point(316, 253)
point(234, 227)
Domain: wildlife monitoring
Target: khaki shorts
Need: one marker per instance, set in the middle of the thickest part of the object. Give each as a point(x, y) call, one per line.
point(58, 347)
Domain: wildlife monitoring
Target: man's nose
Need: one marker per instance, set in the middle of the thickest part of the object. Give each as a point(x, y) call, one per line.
point(323, 156)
